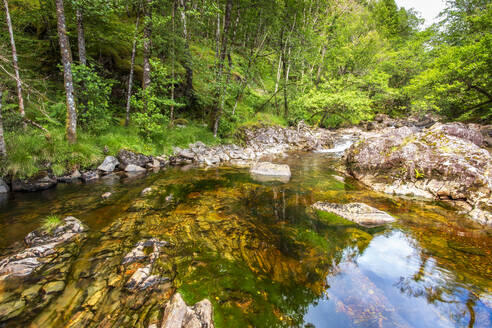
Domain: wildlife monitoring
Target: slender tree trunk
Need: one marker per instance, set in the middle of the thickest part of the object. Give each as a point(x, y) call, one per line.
point(187, 56)
point(132, 69)
point(320, 67)
point(14, 61)
point(3, 149)
point(223, 52)
point(217, 39)
point(81, 37)
point(173, 55)
point(146, 45)
point(66, 55)
point(277, 81)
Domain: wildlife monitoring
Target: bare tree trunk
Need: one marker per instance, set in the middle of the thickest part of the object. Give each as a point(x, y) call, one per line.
point(173, 55)
point(146, 45)
point(217, 39)
point(66, 55)
point(279, 71)
point(132, 69)
point(223, 52)
point(320, 67)
point(15, 62)
point(3, 149)
point(81, 37)
point(187, 56)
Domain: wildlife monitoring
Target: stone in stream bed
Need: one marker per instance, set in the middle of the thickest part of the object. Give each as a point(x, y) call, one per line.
point(178, 315)
point(266, 171)
point(359, 213)
point(42, 245)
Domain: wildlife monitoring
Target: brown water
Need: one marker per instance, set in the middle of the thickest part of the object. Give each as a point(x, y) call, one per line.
point(256, 250)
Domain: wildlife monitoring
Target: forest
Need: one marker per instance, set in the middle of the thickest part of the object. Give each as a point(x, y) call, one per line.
point(81, 79)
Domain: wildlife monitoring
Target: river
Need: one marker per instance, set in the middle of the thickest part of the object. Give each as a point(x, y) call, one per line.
point(256, 250)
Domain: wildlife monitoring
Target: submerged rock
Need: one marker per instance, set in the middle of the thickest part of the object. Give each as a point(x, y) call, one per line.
point(33, 184)
point(144, 251)
point(41, 245)
point(178, 315)
point(266, 171)
point(109, 164)
point(106, 195)
point(359, 213)
point(431, 164)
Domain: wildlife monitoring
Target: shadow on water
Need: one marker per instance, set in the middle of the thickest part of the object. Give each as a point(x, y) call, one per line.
point(258, 252)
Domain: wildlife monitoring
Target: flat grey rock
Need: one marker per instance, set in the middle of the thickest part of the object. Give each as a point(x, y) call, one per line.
point(266, 171)
point(359, 213)
point(134, 168)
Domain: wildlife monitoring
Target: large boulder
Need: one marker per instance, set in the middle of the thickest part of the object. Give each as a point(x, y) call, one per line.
point(430, 163)
point(42, 182)
point(127, 157)
point(359, 213)
point(109, 164)
point(266, 171)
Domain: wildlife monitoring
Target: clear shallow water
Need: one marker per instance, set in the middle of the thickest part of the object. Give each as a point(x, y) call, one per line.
point(259, 253)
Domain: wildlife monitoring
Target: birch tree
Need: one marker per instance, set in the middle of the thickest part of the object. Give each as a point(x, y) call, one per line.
point(66, 56)
point(3, 149)
point(15, 61)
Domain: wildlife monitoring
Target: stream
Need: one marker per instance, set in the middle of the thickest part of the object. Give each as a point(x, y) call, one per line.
point(257, 251)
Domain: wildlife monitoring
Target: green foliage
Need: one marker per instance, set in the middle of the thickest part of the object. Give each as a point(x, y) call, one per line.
point(93, 98)
point(50, 223)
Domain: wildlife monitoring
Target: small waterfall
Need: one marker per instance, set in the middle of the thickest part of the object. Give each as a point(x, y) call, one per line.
point(340, 145)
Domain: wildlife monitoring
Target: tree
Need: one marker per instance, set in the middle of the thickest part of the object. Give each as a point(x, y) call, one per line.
point(81, 37)
point(3, 149)
point(220, 70)
point(132, 69)
point(187, 56)
point(147, 43)
point(66, 55)
point(14, 61)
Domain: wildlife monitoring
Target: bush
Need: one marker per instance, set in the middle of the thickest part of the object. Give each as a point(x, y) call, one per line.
point(93, 98)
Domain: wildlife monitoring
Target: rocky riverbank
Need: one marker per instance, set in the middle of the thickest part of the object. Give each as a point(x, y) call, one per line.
point(255, 144)
point(443, 162)
point(416, 157)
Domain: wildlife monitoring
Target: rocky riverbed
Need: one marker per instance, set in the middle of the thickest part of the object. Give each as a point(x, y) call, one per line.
point(194, 242)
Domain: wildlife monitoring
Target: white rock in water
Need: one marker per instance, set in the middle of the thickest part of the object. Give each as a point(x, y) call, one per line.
point(359, 213)
point(266, 171)
point(134, 168)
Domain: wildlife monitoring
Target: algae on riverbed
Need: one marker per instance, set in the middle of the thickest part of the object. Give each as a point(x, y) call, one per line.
point(258, 252)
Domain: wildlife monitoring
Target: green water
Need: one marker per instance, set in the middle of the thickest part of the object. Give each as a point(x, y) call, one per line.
point(256, 250)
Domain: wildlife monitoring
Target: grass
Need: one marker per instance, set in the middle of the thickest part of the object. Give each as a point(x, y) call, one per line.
point(32, 152)
point(50, 222)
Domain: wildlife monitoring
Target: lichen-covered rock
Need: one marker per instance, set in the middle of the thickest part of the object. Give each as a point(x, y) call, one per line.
point(109, 164)
point(127, 157)
point(430, 164)
point(178, 315)
point(359, 213)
